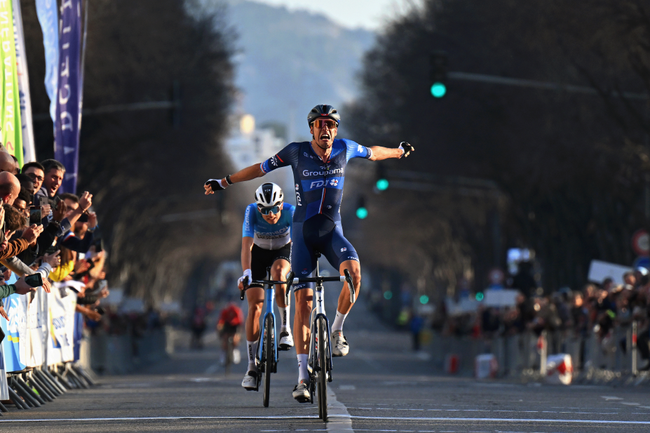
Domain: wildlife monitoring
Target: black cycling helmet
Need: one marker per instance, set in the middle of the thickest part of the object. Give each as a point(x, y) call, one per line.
point(323, 111)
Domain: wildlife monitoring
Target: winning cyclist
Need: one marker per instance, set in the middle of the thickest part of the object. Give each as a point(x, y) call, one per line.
point(266, 243)
point(318, 170)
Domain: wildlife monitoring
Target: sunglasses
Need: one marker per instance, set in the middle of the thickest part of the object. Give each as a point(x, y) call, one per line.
point(267, 210)
point(35, 178)
point(331, 124)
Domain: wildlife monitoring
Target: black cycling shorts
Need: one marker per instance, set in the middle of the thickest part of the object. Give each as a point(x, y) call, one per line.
point(262, 260)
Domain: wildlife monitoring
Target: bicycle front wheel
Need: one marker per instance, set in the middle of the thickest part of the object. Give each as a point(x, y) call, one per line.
point(269, 354)
point(322, 371)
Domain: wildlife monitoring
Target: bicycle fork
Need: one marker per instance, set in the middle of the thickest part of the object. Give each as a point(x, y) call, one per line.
point(317, 313)
point(269, 300)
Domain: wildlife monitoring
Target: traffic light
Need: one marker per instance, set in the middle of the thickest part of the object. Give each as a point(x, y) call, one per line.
point(382, 181)
point(362, 211)
point(438, 74)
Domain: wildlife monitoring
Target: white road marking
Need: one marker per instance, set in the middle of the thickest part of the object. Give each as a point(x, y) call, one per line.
point(347, 387)
point(508, 420)
point(608, 398)
point(631, 404)
point(333, 425)
point(338, 411)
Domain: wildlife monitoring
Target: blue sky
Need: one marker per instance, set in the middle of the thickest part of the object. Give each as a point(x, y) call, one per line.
point(368, 14)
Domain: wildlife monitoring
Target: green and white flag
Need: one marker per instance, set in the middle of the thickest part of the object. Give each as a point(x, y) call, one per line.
point(10, 124)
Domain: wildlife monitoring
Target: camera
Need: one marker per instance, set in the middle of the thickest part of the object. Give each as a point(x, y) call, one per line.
point(34, 280)
point(35, 215)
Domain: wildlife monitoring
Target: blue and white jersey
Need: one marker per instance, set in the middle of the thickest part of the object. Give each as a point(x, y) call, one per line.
point(265, 235)
point(319, 184)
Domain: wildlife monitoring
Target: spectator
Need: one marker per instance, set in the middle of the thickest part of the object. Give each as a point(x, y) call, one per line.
point(52, 179)
point(524, 280)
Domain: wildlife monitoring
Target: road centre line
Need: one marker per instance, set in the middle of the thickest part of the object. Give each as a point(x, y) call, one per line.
point(348, 417)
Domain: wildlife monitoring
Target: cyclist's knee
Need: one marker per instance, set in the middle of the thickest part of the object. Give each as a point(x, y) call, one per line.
point(355, 273)
point(280, 269)
point(255, 306)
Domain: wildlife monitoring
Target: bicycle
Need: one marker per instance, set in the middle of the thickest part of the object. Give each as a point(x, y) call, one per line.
point(319, 361)
point(229, 355)
point(267, 346)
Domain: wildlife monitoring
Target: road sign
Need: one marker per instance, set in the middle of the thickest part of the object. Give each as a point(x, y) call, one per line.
point(641, 262)
point(641, 242)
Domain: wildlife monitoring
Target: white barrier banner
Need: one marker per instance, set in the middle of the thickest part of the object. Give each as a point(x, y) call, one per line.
point(4, 390)
point(60, 346)
point(500, 298)
point(37, 328)
point(16, 340)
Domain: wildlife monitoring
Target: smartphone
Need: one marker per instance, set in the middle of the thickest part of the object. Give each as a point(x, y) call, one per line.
point(35, 215)
point(34, 280)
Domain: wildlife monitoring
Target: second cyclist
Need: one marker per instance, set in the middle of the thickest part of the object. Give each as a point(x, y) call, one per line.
point(266, 244)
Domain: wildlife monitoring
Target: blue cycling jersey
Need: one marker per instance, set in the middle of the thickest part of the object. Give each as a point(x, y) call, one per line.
point(265, 235)
point(319, 184)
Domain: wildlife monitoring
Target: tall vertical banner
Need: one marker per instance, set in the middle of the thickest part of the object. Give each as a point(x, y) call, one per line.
point(10, 124)
point(27, 126)
point(49, 20)
point(68, 110)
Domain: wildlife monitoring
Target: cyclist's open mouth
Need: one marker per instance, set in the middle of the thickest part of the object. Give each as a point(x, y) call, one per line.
point(325, 137)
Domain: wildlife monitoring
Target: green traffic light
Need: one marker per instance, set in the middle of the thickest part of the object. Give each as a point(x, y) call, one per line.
point(424, 299)
point(479, 296)
point(388, 295)
point(362, 213)
point(382, 184)
point(438, 90)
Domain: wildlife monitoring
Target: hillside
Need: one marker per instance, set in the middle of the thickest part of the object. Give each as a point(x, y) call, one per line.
point(290, 61)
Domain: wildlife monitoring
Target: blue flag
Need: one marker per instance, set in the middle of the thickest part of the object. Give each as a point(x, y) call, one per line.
point(68, 110)
point(49, 20)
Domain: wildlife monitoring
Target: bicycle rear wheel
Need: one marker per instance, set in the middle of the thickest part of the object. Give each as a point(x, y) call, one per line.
point(269, 355)
point(322, 364)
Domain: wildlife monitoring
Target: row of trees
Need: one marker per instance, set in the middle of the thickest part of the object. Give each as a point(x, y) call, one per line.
point(570, 168)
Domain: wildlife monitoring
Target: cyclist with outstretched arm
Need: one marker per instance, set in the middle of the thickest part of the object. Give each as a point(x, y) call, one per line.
point(266, 244)
point(319, 173)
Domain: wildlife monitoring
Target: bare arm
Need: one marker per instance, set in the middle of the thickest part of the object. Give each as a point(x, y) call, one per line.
point(246, 247)
point(379, 153)
point(248, 173)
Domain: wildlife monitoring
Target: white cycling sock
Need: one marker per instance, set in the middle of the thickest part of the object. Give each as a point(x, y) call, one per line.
point(303, 373)
point(284, 317)
point(252, 349)
point(337, 324)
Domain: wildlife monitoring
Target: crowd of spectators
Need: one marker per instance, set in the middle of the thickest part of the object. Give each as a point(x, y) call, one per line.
point(49, 233)
point(597, 310)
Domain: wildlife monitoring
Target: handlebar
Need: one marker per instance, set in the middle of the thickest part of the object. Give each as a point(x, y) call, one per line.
point(296, 280)
point(265, 282)
point(347, 278)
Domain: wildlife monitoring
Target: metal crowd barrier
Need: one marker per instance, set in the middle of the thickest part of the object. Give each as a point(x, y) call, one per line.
point(527, 352)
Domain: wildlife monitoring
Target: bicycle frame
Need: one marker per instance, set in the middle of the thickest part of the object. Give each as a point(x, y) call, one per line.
point(269, 301)
point(318, 311)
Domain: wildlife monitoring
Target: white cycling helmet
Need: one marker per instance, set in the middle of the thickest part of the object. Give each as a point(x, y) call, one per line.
point(268, 195)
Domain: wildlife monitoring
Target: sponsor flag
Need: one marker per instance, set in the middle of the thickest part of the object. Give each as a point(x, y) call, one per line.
point(49, 20)
point(10, 124)
point(27, 126)
point(68, 110)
